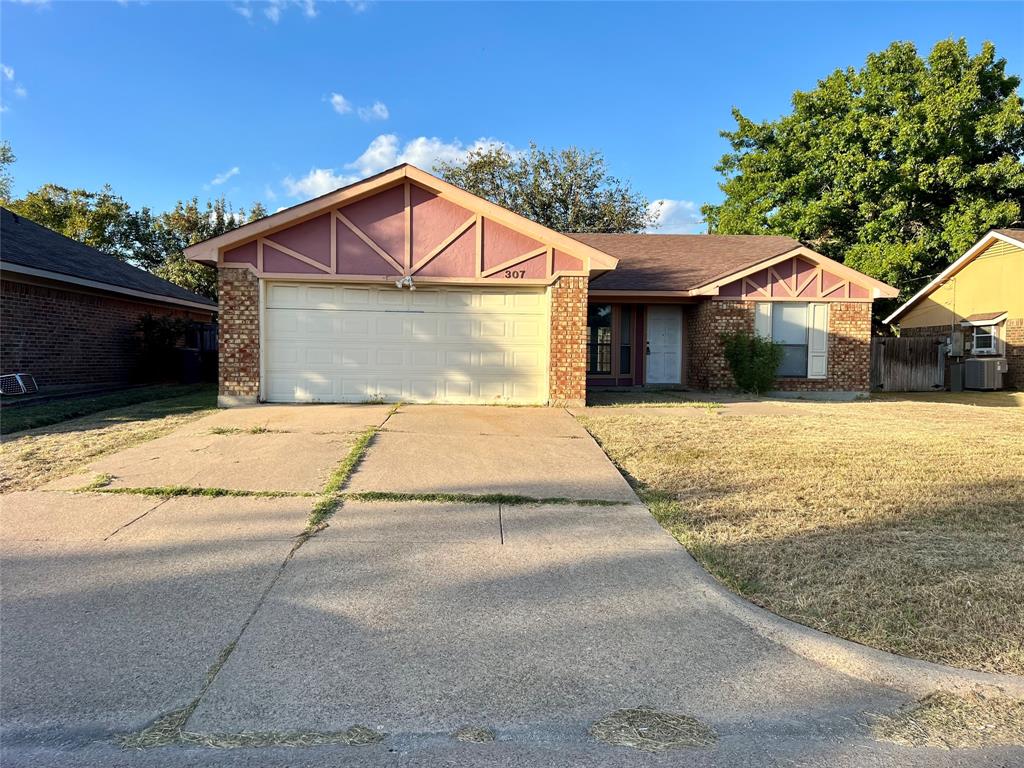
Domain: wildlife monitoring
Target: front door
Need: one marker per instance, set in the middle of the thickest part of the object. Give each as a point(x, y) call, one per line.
point(664, 344)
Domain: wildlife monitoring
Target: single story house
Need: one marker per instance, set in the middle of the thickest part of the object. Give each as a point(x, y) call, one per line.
point(68, 313)
point(404, 287)
point(981, 294)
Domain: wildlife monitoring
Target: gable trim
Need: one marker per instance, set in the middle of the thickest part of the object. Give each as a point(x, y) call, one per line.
point(877, 288)
point(986, 242)
point(209, 251)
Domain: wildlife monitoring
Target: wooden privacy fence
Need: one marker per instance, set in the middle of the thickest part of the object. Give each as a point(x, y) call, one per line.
point(907, 365)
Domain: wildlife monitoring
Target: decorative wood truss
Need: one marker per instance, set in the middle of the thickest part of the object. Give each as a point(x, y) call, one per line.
point(403, 223)
point(799, 275)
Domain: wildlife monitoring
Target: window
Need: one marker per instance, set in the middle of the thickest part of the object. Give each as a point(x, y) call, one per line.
point(599, 339)
point(985, 340)
point(801, 329)
point(625, 340)
point(789, 328)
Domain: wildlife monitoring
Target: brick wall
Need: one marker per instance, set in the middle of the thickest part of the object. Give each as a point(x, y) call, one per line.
point(239, 335)
point(67, 338)
point(849, 346)
point(567, 368)
point(706, 323)
point(1013, 335)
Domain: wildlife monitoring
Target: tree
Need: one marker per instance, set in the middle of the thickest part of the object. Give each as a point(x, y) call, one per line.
point(186, 225)
point(896, 168)
point(100, 219)
point(153, 242)
point(7, 159)
point(567, 190)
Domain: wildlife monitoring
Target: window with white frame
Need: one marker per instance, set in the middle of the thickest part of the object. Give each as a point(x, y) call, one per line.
point(801, 329)
point(986, 342)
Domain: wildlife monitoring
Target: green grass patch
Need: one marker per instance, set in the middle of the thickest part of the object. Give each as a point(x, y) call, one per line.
point(350, 462)
point(257, 430)
point(332, 498)
point(170, 491)
point(18, 418)
point(509, 499)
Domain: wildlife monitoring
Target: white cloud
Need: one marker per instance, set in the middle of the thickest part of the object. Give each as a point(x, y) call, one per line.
point(20, 91)
point(358, 6)
point(8, 72)
point(424, 152)
point(220, 178)
point(379, 111)
point(319, 181)
point(384, 152)
point(341, 105)
point(269, 193)
point(675, 217)
point(273, 9)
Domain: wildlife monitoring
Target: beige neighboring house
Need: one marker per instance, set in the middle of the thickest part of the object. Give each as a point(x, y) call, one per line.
point(981, 294)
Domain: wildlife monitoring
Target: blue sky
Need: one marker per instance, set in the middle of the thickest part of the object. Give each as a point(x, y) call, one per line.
point(280, 101)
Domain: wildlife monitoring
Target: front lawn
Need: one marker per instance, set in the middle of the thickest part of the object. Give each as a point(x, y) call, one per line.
point(36, 456)
point(895, 523)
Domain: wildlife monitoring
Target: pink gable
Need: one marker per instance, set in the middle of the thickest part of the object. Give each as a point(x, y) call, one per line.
point(794, 278)
point(566, 263)
point(276, 261)
point(433, 220)
point(382, 217)
point(243, 254)
point(459, 258)
point(502, 244)
point(531, 268)
point(311, 238)
point(369, 238)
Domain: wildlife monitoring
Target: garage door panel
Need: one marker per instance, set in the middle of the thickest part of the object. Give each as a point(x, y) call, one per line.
point(352, 343)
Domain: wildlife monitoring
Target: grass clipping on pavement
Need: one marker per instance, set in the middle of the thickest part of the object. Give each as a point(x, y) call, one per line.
point(952, 721)
point(896, 524)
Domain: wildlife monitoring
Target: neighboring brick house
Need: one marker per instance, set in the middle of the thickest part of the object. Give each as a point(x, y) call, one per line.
point(69, 313)
point(979, 298)
point(404, 287)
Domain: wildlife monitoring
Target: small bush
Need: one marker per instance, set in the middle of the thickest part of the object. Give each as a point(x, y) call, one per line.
point(753, 361)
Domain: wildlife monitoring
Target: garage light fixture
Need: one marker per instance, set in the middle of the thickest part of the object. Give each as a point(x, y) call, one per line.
point(405, 282)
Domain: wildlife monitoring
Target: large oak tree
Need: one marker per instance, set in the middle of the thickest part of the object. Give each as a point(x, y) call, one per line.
point(567, 190)
point(895, 168)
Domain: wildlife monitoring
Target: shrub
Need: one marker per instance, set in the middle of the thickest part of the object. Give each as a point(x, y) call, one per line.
point(753, 361)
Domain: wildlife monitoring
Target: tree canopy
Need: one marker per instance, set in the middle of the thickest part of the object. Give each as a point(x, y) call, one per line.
point(568, 190)
point(896, 168)
point(157, 243)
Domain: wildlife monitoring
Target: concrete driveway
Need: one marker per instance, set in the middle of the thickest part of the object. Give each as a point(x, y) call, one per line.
point(411, 617)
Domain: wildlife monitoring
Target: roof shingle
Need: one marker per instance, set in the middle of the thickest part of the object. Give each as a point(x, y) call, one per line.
point(26, 243)
point(679, 262)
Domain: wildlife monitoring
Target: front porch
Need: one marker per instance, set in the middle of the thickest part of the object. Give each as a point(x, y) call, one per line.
point(636, 344)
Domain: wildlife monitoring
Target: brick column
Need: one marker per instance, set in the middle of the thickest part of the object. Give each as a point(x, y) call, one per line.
point(1013, 338)
point(238, 294)
point(567, 368)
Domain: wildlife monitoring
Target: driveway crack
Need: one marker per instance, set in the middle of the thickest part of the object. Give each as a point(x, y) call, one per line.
point(136, 519)
point(501, 527)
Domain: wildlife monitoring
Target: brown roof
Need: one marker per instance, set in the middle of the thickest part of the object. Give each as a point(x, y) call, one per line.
point(679, 262)
point(981, 317)
point(1015, 233)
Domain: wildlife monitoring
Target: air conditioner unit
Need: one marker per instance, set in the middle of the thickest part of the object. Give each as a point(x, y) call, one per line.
point(984, 374)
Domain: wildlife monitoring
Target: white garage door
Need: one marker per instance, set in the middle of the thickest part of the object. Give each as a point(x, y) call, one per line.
point(352, 343)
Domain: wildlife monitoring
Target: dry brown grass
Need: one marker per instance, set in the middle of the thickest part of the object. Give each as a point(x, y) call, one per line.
point(37, 456)
point(892, 523)
point(649, 730)
point(955, 722)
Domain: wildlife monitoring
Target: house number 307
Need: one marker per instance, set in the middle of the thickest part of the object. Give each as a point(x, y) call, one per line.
point(515, 274)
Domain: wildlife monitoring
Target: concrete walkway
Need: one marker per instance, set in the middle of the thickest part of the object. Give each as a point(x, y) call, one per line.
point(412, 618)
